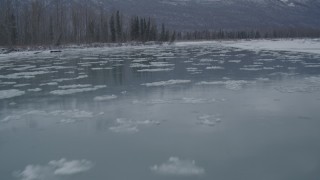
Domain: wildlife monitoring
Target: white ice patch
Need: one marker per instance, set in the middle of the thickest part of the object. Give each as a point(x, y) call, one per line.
point(35, 90)
point(74, 114)
point(155, 70)
point(104, 68)
point(26, 75)
point(123, 125)
point(21, 85)
point(294, 45)
point(77, 90)
point(214, 67)
point(234, 61)
point(10, 118)
point(208, 120)
point(105, 98)
point(49, 84)
point(188, 100)
point(74, 86)
point(5, 94)
point(70, 79)
point(54, 169)
point(230, 84)
point(178, 167)
point(166, 83)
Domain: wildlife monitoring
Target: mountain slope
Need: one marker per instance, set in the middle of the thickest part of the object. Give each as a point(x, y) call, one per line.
point(228, 14)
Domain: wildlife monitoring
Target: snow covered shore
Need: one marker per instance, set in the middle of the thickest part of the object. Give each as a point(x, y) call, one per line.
point(293, 45)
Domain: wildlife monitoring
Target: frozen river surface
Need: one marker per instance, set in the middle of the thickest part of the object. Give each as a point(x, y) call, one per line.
point(212, 111)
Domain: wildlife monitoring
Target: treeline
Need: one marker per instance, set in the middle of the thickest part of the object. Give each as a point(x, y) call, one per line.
point(249, 34)
point(55, 22)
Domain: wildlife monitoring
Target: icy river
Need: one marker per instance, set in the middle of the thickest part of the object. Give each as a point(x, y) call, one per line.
point(206, 110)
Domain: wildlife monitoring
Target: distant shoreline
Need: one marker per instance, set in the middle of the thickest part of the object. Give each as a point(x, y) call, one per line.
point(238, 43)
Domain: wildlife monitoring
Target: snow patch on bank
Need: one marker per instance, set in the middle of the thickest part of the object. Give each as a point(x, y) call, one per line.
point(293, 45)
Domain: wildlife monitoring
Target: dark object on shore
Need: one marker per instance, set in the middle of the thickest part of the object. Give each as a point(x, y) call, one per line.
point(55, 51)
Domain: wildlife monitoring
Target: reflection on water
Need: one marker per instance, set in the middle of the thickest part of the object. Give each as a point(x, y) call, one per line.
point(196, 111)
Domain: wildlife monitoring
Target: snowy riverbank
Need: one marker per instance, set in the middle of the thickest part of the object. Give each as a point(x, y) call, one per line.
point(293, 45)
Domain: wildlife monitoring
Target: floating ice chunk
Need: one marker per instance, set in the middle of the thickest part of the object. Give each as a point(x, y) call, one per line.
point(234, 61)
point(211, 83)
point(148, 122)
point(250, 69)
point(67, 121)
point(25, 67)
point(160, 64)
point(49, 84)
point(312, 66)
point(7, 83)
point(54, 169)
point(178, 167)
point(230, 84)
point(24, 74)
point(209, 120)
point(21, 85)
point(5, 94)
point(102, 68)
point(72, 113)
point(197, 100)
point(74, 86)
point(313, 79)
point(137, 65)
point(69, 79)
point(124, 126)
point(214, 67)
point(78, 90)
point(105, 98)
point(268, 68)
point(263, 79)
point(155, 70)
point(10, 118)
point(235, 85)
point(166, 83)
point(90, 58)
point(206, 60)
point(139, 60)
point(35, 90)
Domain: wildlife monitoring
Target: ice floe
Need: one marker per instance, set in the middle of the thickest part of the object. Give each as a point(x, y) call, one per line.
point(105, 98)
point(10, 118)
point(55, 169)
point(155, 70)
point(26, 75)
point(166, 83)
point(34, 90)
point(21, 85)
point(76, 90)
point(209, 120)
point(5, 94)
point(74, 86)
point(214, 67)
point(123, 125)
point(178, 167)
point(230, 84)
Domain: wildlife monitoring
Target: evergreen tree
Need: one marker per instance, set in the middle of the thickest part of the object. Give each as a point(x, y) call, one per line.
point(112, 29)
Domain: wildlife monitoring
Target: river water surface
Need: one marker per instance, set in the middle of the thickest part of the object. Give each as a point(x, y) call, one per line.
point(184, 111)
